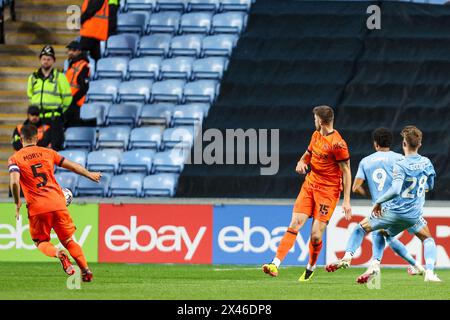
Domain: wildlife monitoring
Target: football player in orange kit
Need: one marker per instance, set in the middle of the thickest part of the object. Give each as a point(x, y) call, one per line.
point(31, 169)
point(329, 161)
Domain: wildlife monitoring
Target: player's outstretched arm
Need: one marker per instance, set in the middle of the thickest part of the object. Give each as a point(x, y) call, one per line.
point(14, 178)
point(358, 187)
point(347, 179)
point(75, 167)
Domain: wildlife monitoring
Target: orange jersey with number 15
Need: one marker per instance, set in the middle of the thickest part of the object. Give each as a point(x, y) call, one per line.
point(326, 152)
point(37, 180)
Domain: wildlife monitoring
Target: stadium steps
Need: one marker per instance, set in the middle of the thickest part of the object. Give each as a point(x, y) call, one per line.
point(295, 55)
point(38, 22)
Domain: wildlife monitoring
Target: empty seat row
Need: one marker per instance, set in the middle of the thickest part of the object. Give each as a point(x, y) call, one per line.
point(155, 68)
point(186, 5)
point(135, 114)
point(147, 91)
point(164, 45)
point(175, 23)
point(125, 138)
point(128, 184)
point(139, 160)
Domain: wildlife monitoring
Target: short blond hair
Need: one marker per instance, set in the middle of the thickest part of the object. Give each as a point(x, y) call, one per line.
point(412, 136)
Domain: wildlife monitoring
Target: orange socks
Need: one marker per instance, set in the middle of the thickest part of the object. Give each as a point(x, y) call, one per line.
point(314, 251)
point(48, 249)
point(77, 253)
point(286, 244)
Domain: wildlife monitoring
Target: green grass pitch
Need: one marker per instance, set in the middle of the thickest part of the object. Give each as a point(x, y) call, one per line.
point(205, 282)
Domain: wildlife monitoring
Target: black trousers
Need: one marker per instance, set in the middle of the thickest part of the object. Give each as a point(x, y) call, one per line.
point(73, 119)
point(72, 116)
point(56, 130)
point(92, 46)
point(112, 20)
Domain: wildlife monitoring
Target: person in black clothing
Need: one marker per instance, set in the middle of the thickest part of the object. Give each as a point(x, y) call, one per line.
point(44, 133)
point(77, 74)
point(114, 6)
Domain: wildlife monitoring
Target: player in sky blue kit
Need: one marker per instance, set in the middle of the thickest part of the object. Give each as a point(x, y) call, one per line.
point(401, 206)
point(376, 171)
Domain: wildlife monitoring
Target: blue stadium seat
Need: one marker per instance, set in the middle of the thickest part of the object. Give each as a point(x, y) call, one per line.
point(80, 137)
point(164, 22)
point(102, 48)
point(204, 5)
point(122, 44)
point(146, 137)
point(219, 45)
point(179, 137)
point(178, 5)
point(88, 187)
point(158, 113)
point(187, 115)
point(75, 155)
point(67, 180)
point(203, 106)
point(162, 184)
point(115, 67)
point(186, 45)
point(229, 22)
point(196, 22)
point(103, 90)
point(201, 91)
point(177, 68)
point(139, 160)
point(169, 161)
point(106, 160)
point(135, 90)
point(122, 6)
point(236, 5)
point(209, 68)
point(144, 68)
point(145, 5)
point(168, 90)
point(123, 113)
point(95, 110)
point(114, 137)
point(132, 22)
point(154, 45)
point(128, 184)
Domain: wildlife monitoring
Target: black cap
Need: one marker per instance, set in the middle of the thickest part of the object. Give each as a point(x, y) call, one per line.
point(47, 51)
point(74, 45)
point(33, 110)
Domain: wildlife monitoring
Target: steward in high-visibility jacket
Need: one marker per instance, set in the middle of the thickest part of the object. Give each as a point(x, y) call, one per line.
point(77, 74)
point(44, 139)
point(49, 90)
point(94, 19)
point(50, 93)
point(94, 26)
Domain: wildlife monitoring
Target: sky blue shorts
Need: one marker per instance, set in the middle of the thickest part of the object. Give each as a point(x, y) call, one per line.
point(394, 223)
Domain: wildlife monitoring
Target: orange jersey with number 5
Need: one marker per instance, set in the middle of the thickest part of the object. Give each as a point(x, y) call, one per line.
point(326, 153)
point(37, 180)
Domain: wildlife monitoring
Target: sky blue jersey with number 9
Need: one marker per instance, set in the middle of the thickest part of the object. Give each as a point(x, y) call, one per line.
point(376, 170)
point(412, 176)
